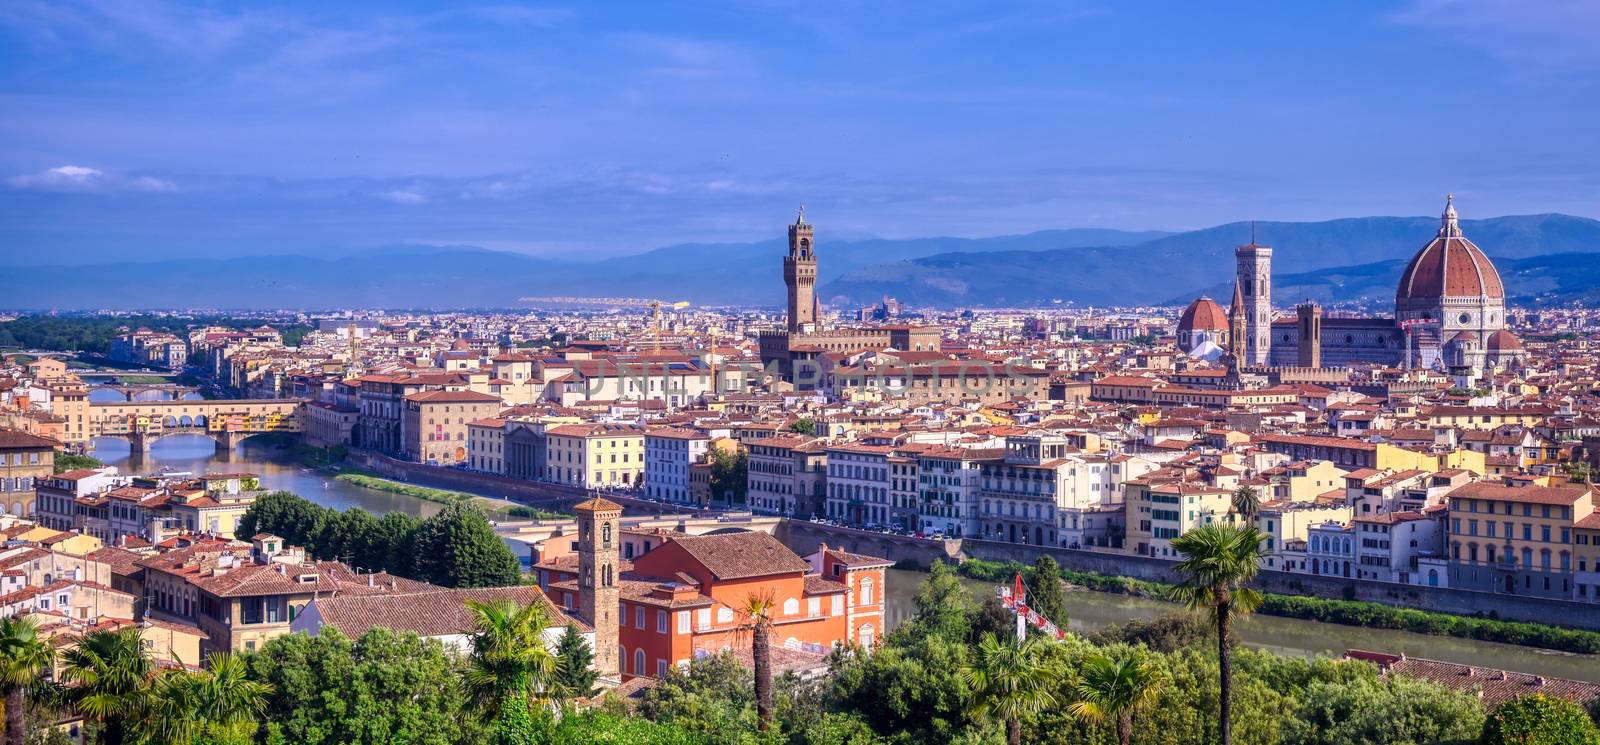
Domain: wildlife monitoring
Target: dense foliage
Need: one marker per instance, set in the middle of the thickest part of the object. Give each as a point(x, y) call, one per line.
point(72, 461)
point(1330, 610)
point(456, 547)
point(93, 334)
point(729, 476)
point(1539, 720)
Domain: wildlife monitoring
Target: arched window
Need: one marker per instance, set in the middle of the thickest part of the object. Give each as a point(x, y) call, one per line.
point(866, 591)
point(791, 607)
point(866, 635)
point(1433, 578)
point(724, 615)
point(638, 661)
point(605, 534)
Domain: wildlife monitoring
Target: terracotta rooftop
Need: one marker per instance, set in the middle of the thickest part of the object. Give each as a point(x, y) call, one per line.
point(739, 555)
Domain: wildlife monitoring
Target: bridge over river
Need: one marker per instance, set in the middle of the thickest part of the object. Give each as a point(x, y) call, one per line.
point(224, 421)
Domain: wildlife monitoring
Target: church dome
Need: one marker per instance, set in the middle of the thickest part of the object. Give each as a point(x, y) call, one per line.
point(1449, 266)
point(1203, 315)
point(1504, 341)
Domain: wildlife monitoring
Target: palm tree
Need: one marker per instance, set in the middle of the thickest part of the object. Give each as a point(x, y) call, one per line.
point(1218, 560)
point(1009, 681)
point(1247, 503)
point(1115, 688)
point(110, 680)
point(509, 656)
point(228, 698)
point(23, 659)
point(757, 610)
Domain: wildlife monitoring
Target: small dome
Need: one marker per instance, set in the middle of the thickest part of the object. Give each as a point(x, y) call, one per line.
point(1465, 336)
point(1504, 341)
point(1449, 266)
point(1203, 315)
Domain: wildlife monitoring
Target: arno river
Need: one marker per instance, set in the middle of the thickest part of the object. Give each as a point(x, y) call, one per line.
point(1088, 610)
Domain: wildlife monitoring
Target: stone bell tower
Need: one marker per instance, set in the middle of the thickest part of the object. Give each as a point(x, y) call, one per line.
point(1253, 264)
point(599, 535)
point(800, 274)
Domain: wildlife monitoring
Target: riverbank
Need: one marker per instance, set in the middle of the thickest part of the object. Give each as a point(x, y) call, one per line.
point(495, 508)
point(1342, 612)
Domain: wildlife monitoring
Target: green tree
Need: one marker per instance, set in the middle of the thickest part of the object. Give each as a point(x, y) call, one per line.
point(1539, 720)
point(804, 427)
point(1166, 633)
point(509, 665)
point(383, 688)
point(1046, 594)
point(458, 548)
point(1115, 688)
point(1246, 503)
point(215, 706)
point(108, 680)
point(942, 604)
point(73, 461)
point(1009, 681)
point(575, 674)
point(23, 659)
point(595, 728)
point(1392, 711)
point(909, 687)
point(730, 475)
point(1218, 560)
point(713, 699)
point(993, 617)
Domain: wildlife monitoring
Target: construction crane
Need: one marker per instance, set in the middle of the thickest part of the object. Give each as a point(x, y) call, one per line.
point(615, 302)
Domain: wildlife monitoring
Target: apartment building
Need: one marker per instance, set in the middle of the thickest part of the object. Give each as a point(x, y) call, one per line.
point(1158, 509)
point(486, 445)
point(787, 476)
point(433, 429)
point(1517, 539)
point(858, 483)
point(949, 481)
point(669, 453)
point(595, 455)
point(25, 459)
point(1389, 545)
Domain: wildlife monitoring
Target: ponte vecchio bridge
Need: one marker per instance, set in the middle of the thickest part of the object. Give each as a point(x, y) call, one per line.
point(225, 421)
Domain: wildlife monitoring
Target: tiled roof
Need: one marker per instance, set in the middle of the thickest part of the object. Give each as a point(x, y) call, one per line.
point(1552, 495)
point(17, 439)
point(1496, 686)
point(435, 613)
point(738, 555)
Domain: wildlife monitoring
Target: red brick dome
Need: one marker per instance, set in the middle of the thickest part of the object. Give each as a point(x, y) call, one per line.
point(1504, 341)
point(1203, 315)
point(1450, 266)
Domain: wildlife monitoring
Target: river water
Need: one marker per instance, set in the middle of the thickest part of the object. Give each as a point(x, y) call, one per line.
point(1090, 611)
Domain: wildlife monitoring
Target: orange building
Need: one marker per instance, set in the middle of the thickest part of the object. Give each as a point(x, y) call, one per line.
point(683, 598)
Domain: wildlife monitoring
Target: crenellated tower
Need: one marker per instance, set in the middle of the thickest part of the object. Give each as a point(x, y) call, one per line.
point(800, 274)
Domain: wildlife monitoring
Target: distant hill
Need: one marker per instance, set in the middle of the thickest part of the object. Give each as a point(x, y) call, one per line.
point(1343, 259)
point(406, 276)
point(1355, 252)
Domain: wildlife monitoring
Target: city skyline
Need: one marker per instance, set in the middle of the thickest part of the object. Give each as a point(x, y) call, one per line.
point(598, 131)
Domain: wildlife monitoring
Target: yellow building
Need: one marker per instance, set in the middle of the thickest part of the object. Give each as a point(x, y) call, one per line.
point(1401, 459)
point(595, 455)
point(1156, 512)
point(1519, 540)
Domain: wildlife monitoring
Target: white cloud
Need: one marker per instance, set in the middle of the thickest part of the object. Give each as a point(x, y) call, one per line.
point(405, 196)
point(83, 179)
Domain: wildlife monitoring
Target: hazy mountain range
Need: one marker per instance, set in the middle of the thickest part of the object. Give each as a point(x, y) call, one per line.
point(1543, 258)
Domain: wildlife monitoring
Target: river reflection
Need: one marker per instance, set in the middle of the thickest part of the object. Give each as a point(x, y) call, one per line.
point(1090, 611)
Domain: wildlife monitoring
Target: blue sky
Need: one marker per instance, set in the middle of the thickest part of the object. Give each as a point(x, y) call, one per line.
point(149, 130)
